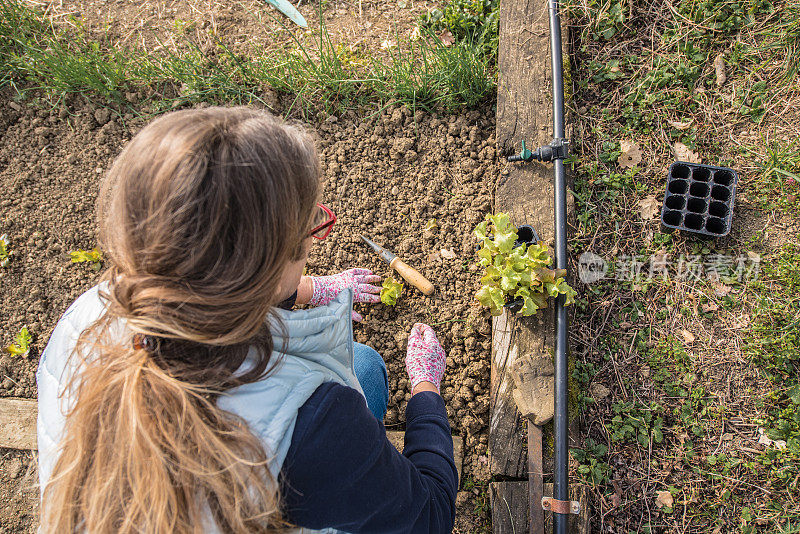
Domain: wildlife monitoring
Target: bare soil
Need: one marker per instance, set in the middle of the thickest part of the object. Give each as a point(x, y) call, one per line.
point(386, 176)
point(247, 26)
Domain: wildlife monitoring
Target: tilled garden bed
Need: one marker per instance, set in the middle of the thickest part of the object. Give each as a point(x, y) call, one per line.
point(414, 182)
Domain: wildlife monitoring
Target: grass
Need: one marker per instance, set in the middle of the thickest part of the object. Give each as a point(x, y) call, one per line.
point(475, 21)
point(697, 368)
point(60, 60)
point(777, 182)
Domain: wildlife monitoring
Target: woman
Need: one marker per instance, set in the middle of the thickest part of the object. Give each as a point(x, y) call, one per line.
point(178, 396)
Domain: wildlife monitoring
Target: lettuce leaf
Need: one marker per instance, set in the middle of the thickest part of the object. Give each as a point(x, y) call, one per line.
point(390, 291)
point(22, 343)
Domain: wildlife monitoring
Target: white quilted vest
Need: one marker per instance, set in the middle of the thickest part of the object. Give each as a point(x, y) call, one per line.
point(318, 348)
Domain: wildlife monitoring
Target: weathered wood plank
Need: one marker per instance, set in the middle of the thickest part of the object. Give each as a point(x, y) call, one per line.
point(397, 438)
point(535, 479)
point(17, 423)
point(509, 501)
point(523, 112)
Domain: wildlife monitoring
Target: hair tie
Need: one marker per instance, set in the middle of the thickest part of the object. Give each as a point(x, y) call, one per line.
point(148, 343)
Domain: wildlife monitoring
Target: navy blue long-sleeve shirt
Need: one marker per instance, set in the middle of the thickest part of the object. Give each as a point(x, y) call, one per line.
point(342, 472)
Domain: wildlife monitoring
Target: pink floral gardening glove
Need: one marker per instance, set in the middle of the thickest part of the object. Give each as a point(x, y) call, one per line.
point(359, 280)
point(425, 357)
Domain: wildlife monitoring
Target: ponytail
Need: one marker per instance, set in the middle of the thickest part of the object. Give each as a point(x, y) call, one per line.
point(199, 216)
point(146, 452)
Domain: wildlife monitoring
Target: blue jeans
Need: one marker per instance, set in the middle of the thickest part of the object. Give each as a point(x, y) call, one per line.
point(371, 374)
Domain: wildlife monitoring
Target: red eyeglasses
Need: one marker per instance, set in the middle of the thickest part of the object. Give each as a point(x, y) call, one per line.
point(321, 230)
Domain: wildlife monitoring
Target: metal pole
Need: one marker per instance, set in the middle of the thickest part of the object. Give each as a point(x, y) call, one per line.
point(561, 418)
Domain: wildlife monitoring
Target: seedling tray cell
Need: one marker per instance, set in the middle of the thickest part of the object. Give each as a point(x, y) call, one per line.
point(699, 199)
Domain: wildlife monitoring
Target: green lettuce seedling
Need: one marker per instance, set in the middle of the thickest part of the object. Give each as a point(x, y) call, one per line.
point(391, 291)
point(22, 343)
point(94, 256)
point(515, 272)
point(4, 254)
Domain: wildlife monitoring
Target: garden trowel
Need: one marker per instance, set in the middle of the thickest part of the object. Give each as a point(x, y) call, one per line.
point(411, 275)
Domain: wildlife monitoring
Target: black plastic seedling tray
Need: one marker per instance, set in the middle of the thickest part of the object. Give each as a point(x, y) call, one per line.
point(699, 199)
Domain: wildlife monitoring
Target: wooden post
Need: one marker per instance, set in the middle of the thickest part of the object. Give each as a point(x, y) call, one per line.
point(524, 112)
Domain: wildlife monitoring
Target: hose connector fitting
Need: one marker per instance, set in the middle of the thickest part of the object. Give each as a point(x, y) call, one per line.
point(557, 149)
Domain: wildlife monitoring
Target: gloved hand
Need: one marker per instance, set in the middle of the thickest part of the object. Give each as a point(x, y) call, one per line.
point(425, 357)
point(359, 280)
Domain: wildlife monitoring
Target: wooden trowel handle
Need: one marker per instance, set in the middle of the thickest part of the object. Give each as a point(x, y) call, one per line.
point(412, 276)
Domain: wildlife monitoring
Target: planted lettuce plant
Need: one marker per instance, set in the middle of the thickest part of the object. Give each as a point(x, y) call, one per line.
point(4, 252)
point(94, 257)
point(390, 291)
point(22, 343)
point(515, 272)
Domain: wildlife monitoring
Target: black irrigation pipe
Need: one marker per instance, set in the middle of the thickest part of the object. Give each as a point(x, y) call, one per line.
point(561, 418)
point(556, 152)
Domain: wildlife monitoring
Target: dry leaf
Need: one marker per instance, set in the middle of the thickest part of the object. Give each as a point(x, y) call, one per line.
point(720, 289)
point(765, 440)
point(631, 154)
point(448, 254)
point(709, 307)
point(386, 43)
point(616, 497)
point(649, 207)
point(664, 499)
point(680, 125)
point(688, 337)
point(683, 153)
point(447, 38)
point(598, 391)
point(719, 69)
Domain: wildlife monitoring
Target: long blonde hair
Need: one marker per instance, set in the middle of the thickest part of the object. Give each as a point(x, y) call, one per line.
point(198, 216)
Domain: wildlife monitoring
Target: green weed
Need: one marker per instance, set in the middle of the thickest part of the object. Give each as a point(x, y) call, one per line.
point(592, 467)
point(774, 337)
point(605, 18)
point(582, 375)
point(482, 504)
point(649, 74)
point(633, 421)
point(427, 72)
